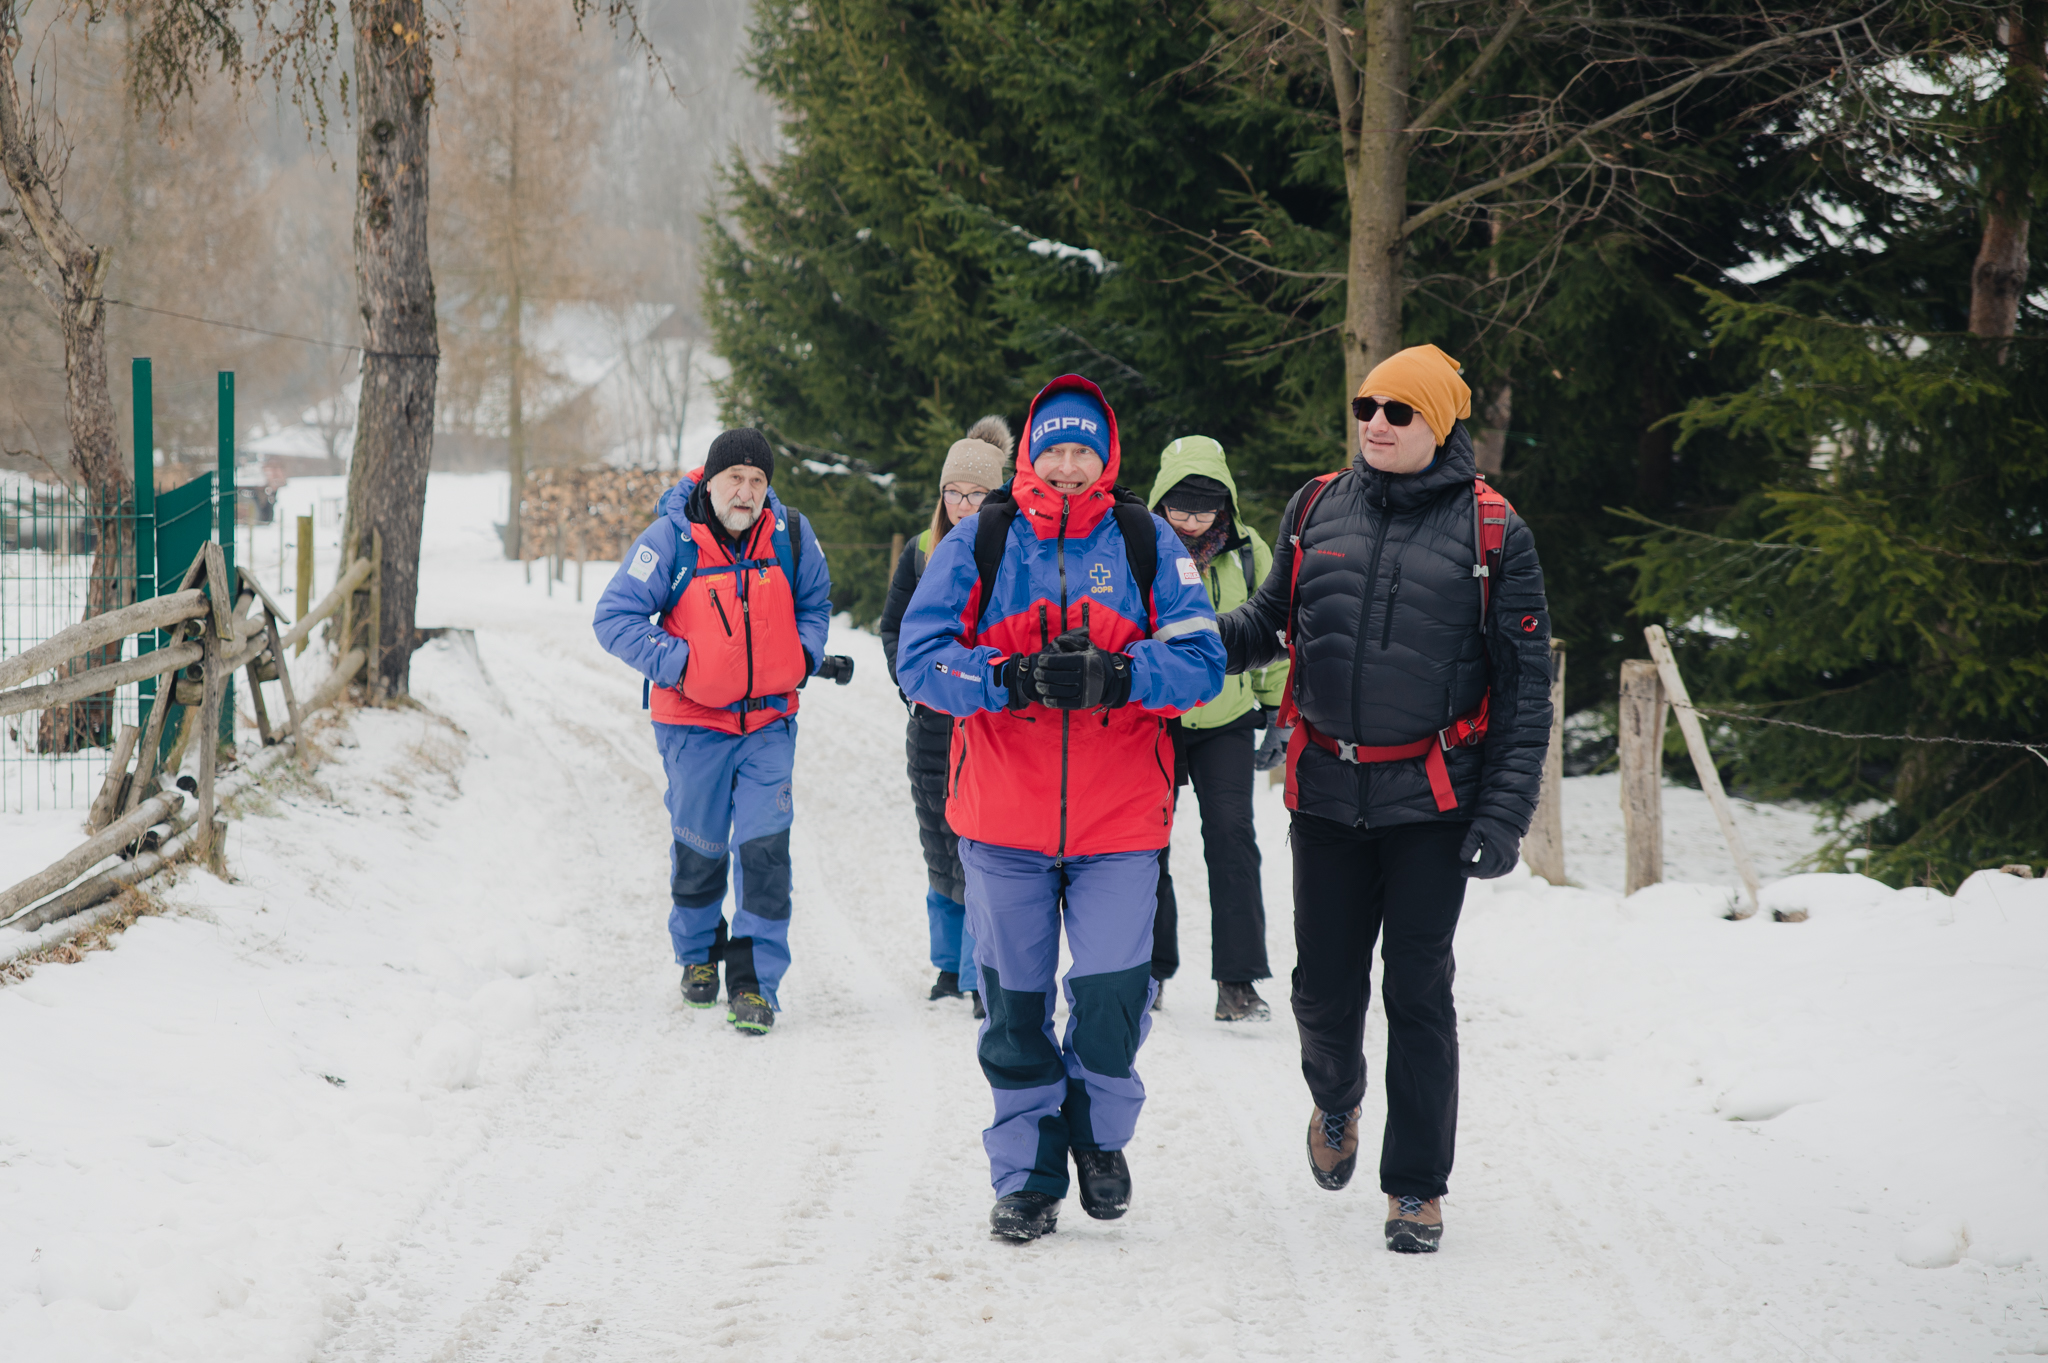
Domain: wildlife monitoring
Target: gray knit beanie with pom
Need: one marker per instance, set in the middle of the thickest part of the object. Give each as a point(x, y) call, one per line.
point(979, 457)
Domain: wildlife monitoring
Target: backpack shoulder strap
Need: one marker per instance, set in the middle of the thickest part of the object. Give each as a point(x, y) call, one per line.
point(1251, 571)
point(1489, 534)
point(1319, 486)
point(991, 533)
point(686, 563)
point(1141, 550)
point(789, 544)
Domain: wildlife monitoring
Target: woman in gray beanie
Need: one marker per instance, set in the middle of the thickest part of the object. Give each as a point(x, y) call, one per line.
point(974, 467)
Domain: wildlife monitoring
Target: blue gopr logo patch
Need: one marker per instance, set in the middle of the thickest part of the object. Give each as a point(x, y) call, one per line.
point(1099, 575)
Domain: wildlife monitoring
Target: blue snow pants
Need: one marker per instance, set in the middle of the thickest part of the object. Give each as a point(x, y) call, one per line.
point(1081, 1091)
point(952, 941)
point(729, 803)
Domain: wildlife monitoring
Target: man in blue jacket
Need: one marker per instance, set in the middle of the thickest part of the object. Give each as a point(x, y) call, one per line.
point(723, 605)
point(1064, 626)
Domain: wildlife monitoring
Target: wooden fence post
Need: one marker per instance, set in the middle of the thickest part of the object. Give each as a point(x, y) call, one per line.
point(347, 639)
point(1642, 773)
point(1703, 763)
point(1543, 849)
point(376, 678)
point(306, 572)
point(895, 552)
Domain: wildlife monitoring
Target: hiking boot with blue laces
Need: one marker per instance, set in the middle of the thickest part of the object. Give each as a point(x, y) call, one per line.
point(1333, 1147)
point(749, 1012)
point(1024, 1216)
point(1415, 1225)
point(1104, 1181)
point(700, 984)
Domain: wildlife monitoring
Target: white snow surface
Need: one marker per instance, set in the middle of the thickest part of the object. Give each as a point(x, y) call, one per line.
point(419, 1084)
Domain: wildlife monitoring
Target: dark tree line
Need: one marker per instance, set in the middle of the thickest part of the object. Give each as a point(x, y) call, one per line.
point(1625, 218)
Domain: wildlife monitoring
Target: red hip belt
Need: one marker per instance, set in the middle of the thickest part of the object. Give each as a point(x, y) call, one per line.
point(1465, 732)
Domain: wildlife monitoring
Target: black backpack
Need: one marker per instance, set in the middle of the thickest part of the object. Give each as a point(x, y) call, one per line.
point(1133, 520)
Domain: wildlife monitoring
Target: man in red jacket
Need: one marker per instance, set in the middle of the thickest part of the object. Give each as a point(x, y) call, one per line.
point(1064, 663)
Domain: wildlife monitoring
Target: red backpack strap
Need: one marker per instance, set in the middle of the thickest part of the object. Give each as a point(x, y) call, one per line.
point(1489, 532)
point(1317, 488)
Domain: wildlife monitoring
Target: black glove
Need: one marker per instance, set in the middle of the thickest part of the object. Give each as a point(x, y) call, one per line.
point(1273, 748)
point(1490, 850)
point(837, 666)
point(1084, 680)
point(1019, 673)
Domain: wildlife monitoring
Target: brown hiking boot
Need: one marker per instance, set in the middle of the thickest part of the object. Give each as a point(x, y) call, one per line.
point(1415, 1225)
point(1240, 1003)
point(1333, 1147)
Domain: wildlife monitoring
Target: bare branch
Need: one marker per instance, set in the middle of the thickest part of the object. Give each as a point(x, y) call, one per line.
point(1579, 138)
point(1443, 102)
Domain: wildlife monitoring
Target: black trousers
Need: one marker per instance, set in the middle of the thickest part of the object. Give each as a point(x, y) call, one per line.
point(1219, 764)
point(1400, 885)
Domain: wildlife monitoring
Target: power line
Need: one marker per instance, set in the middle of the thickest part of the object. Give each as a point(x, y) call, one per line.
point(279, 335)
point(1883, 738)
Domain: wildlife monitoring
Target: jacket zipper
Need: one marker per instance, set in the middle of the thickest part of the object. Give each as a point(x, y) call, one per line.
point(1393, 593)
point(747, 619)
point(1372, 579)
point(719, 606)
point(1066, 716)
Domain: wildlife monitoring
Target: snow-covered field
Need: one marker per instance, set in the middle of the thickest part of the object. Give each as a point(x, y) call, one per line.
point(419, 1085)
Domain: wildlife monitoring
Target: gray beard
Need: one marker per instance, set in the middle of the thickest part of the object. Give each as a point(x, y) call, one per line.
point(738, 521)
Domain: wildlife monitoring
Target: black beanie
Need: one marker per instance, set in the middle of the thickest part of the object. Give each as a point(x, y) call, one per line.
point(1195, 494)
point(743, 446)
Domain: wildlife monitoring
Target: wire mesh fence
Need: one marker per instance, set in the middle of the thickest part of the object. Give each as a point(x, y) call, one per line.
point(63, 557)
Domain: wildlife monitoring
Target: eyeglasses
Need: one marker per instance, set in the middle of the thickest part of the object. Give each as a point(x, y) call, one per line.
point(955, 497)
point(1174, 513)
point(1398, 413)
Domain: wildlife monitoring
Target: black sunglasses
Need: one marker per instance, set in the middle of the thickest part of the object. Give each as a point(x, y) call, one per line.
point(1398, 413)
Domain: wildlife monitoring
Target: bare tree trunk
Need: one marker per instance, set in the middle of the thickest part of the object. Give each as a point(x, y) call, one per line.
point(68, 272)
point(1379, 197)
point(387, 479)
point(1999, 277)
point(515, 456)
point(1490, 445)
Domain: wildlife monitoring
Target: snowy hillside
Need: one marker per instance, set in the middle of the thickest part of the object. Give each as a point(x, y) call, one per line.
point(420, 1085)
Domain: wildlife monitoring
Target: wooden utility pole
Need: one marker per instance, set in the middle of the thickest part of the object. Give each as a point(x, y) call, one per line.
point(1643, 707)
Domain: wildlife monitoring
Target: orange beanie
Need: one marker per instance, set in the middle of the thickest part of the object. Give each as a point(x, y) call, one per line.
point(1426, 379)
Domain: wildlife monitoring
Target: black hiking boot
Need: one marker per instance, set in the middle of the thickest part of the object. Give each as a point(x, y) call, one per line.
point(979, 1011)
point(749, 1011)
point(1333, 1147)
point(947, 986)
point(700, 984)
point(1104, 1182)
point(1024, 1216)
point(1415, 1225)
point(1240, 1003)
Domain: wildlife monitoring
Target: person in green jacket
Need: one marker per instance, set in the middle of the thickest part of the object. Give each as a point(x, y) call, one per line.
point(1216, 743)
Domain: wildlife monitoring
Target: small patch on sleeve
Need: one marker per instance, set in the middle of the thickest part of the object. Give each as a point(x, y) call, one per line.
point(1190, 575)
point(643, 564)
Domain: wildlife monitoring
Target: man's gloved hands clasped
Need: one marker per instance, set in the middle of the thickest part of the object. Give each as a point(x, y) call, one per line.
point(1490, 850)
point(1072, 675)
point(1272, 748)
point(837, 666)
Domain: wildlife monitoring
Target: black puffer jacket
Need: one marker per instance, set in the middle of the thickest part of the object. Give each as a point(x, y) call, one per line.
point(1391, 649)
point(925, 745)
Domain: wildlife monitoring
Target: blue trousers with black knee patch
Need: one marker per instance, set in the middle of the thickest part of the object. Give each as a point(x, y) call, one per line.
point(729, 805)
point(952, 939)
point(1081, 1090)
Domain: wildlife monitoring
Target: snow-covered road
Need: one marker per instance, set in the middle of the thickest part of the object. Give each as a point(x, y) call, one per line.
point(536, 1152)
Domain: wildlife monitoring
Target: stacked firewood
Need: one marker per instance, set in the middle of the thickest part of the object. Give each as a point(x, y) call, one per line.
point(589, 513)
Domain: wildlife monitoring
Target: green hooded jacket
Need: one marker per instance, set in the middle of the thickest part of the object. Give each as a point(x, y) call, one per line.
point(1198, 454)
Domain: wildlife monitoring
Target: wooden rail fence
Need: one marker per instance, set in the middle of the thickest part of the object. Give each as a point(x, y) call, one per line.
point(213, 632)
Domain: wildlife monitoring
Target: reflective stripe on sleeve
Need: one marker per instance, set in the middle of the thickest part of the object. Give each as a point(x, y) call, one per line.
point(1192, 625)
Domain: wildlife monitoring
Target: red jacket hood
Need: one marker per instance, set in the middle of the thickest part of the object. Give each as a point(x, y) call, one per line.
point(1036, 497)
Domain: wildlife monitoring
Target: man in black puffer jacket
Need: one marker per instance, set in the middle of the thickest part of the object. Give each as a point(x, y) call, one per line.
point(1402, 785)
